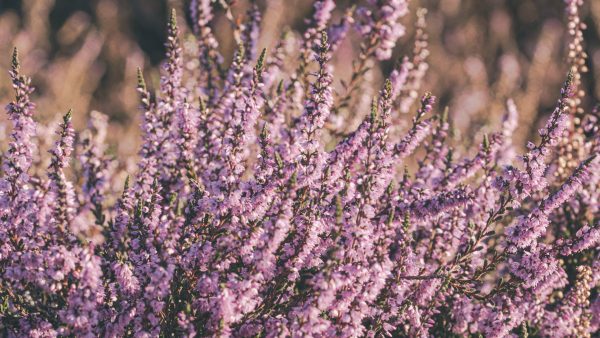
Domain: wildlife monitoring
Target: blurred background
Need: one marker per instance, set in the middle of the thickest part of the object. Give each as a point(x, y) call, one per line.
point(83, 54)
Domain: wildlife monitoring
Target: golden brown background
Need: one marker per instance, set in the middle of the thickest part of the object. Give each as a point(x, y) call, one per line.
point(83, 54)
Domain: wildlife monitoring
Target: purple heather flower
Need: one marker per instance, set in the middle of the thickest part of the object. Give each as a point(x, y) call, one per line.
point(60, 186)
point(533, 178)
point(251, 212)
point(438, 204)
point(15, 193)
point(509, 125)
point(419, 130)
point(251, 32)
point(382, 23)
point(390, 29)
point(418, 66)
point(529, 228)
point(208, 55)
point(338, 32)
point(587, 237)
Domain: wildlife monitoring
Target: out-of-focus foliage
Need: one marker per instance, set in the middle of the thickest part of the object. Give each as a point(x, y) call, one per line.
point(482, 52)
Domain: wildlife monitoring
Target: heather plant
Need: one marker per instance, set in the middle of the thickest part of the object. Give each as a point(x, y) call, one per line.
point(255, 210)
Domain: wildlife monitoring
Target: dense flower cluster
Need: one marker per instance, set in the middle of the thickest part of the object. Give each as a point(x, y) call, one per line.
point(252, 213)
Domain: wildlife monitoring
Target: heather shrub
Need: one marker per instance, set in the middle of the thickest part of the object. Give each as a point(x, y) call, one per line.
point(257, 208)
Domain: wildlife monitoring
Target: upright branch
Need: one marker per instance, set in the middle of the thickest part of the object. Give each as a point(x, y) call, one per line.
point(60, 185)
point(18, 159)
